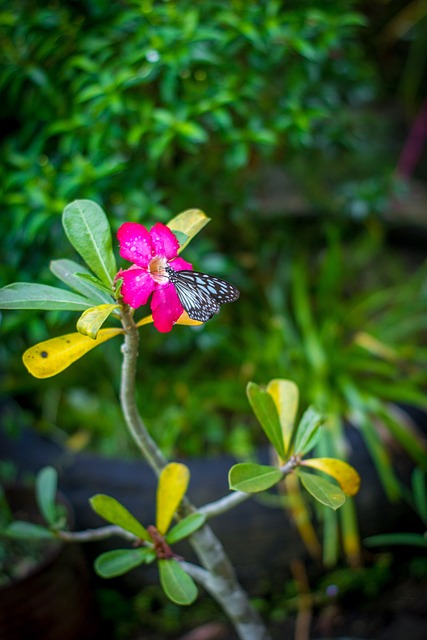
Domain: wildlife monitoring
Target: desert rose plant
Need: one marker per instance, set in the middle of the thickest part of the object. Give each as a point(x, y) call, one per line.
point(179, 295)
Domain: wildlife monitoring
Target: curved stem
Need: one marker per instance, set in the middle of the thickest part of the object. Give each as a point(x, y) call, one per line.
point(237, 497)
point(134, 422)
point(222, 583)
point(88, 535)
point(222, 505)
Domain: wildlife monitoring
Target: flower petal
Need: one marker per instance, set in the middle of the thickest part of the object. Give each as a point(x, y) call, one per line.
point(164, 242)
point(179, 264)
point(166, 308)
point(137, 286)
point(135, 243)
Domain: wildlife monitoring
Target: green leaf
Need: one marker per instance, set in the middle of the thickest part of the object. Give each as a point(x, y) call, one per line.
point(250, 477)
point(265, 410)
point(323, 490)
point(115, 563)
point(181, 237)
point(192, 131)
point(313, 347)
point(92, 319)
point(96, 282)
point(409, 539)
point(6, 514)
point(28, 531)
point(177, 585)
point(410, 440)
point(308, 432)
point(186, 527)
point(70, 273)
point(173, 483)
point(46, 487)
point(165, 117)
point(89, 232)
point(27, 295)
point(112, 511)
point(188, 222)
point(419, 489)
point(305, 48)
point(375, 445)
point(401, 392)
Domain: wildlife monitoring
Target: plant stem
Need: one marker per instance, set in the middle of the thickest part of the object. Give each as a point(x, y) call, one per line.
point(237, 497)
point(218, 576)
point(224, 504)
point(101, 533)
point(135, 424)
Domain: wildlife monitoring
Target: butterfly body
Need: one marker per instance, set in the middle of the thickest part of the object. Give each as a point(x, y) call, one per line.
point(200, 294)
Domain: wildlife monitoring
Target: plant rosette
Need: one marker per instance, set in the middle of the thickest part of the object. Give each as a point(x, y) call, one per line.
point(275, 408)
point(154, 542)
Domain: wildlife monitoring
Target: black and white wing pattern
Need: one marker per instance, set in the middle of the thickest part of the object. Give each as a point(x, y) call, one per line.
point(200, 294)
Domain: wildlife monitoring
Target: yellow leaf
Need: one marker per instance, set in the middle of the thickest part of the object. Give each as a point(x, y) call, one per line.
point(286, 396)
point(350, 534)
point(302, 516)
point(92, 319)
point(375, 346)
point(346, 476)
point(183, 319)
point(173, 483)
point(145, 320)
point(78, 441)
point(189, 222)
point(50, 357)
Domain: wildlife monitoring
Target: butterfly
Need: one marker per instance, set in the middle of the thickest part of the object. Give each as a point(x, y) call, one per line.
point(200, 294)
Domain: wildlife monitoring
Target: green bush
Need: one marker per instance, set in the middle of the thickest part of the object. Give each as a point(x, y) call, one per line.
point(145, 105)
point(348, 325)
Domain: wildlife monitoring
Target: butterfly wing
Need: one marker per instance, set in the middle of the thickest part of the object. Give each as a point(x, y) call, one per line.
point(198, 304)
point(200, 294)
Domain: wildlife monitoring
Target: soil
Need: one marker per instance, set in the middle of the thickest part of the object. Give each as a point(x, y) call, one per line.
point(386, 601)
point(400, 613)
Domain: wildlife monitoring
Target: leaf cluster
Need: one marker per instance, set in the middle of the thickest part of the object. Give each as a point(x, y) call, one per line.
point(173, 483)
point(52, 512)
point(353, 353)
point(350, 331)
point(176, 583)
point(25, 545)
point(276, 407)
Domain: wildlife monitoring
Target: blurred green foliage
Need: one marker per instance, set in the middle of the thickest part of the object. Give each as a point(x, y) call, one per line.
point(346, 321)
point(397, 37)
point(150, 108)
point(145, 106)
point(344, 586)
point(348, 324)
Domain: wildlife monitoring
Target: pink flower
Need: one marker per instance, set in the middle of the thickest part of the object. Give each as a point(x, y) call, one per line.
point(151, 251)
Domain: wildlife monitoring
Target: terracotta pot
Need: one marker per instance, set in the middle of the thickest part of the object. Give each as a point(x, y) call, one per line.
point(54, 600)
